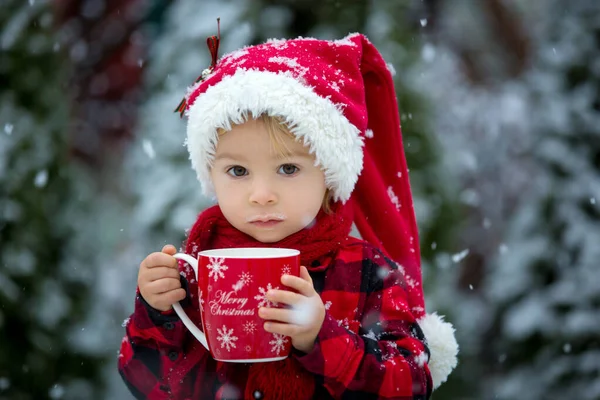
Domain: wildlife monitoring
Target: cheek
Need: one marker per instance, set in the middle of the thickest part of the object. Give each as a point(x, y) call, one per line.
point(308, 197)
point(227, 194)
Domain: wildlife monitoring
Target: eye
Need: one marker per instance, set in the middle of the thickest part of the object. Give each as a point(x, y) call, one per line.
point(237, 171)
point(288, 169)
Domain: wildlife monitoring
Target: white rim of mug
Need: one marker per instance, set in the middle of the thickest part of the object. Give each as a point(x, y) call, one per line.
point(250, 253)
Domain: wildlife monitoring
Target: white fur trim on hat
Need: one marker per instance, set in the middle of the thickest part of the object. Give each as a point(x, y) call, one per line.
point(442, 347)
point(315, 120)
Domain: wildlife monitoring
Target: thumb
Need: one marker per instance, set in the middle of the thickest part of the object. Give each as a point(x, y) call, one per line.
point(169, 249)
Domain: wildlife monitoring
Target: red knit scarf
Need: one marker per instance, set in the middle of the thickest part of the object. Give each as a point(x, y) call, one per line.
point(285, 379)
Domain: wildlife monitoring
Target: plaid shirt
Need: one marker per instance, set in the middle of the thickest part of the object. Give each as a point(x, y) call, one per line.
point(369, 347)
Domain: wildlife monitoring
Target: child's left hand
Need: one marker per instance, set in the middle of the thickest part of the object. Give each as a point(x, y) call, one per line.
point(302, 318)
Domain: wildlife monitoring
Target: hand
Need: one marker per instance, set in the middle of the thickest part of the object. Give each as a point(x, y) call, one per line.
point(158, 279)
point(302, 318)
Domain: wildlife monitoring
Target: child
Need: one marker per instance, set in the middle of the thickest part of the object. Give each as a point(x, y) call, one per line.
point(298, 139)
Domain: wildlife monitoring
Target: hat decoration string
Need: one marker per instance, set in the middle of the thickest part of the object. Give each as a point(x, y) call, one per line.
point(213, 46)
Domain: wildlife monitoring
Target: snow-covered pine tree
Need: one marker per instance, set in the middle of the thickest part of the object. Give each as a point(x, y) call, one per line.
point(41, 300)
point(544, 286)
point(524, 144)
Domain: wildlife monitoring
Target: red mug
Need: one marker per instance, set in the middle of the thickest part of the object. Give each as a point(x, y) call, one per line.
point(232, 284)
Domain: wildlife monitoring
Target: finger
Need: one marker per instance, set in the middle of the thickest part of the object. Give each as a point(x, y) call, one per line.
point(282, 329)
point(160, 260)
point(276, 314)
point(175, 295)
point(166, 300)
point(163, 285)
point(154, 274)
point(284, 297)
point(305, 275)
point(301, 285)
point(169, 249)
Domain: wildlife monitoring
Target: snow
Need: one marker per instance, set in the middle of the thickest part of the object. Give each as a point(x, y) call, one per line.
point(458, 257)
point(428, 52)
point(41, 178)
point(393, 197)
point(57, 391)
point(148, 149)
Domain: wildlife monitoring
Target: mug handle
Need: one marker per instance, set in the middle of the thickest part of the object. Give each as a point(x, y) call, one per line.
point(198, 334)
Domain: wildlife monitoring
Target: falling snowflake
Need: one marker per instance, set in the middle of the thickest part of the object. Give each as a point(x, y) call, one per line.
point(328, 304)
point(286, 270)
point(249, 327)
point(369, 133)
point(148, 148)
point(458, 257)
point(278, 343)
point(217, 267)
point(226, 338)
point(391, 68)
point(125, 323)
point(262, 297)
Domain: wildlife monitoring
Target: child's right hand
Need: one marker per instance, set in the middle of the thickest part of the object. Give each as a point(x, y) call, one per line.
point(158, 279)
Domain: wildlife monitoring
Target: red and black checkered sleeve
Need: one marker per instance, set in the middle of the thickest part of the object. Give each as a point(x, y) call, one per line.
point(151, 346)
point(387, 357)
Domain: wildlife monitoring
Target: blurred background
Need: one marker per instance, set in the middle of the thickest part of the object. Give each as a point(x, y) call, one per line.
point(500, 109)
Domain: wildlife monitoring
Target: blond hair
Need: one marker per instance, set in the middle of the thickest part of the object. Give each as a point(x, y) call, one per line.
point(277, 128)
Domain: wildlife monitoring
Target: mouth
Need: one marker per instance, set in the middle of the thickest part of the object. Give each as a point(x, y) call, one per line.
point(266, 221)
point(266, 224)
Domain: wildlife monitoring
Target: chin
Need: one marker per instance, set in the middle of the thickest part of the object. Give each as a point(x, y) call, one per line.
point(268, 237)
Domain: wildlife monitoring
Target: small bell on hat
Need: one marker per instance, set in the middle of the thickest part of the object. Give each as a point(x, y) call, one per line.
point(337, 97)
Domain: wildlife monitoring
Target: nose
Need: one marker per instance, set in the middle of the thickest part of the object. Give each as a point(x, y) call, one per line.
point(262, 193)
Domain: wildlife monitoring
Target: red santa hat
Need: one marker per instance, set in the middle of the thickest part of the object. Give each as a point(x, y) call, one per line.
point(338, 98)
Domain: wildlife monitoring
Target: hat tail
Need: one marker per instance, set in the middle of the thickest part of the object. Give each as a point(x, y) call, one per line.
point(384, 210)
point(383, 201)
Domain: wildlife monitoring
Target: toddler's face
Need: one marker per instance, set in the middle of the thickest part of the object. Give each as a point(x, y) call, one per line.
point(261, 192)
